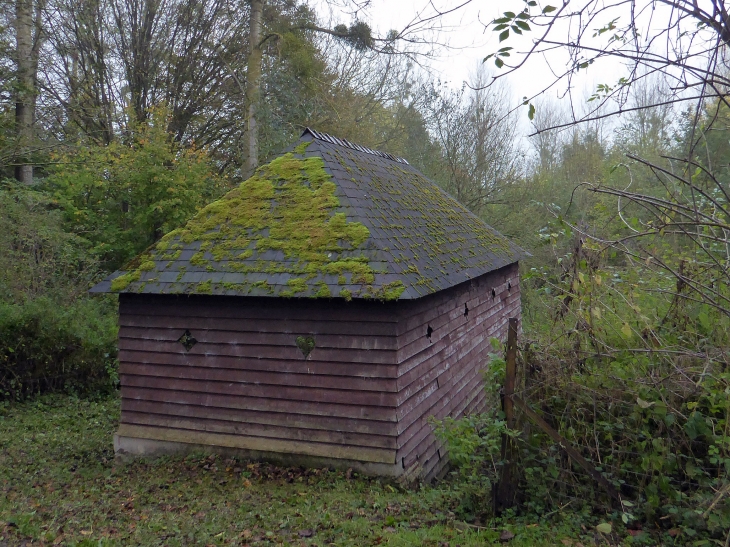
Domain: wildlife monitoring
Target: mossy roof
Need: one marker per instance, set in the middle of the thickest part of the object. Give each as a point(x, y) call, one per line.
point(326, 219)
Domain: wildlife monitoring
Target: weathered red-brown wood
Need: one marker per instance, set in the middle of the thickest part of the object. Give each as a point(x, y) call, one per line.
point(214, 424)
point(380, 343)
point(352, 328)
point(303, 408)
point(267, 417)
point(299, 366)
point(233, 349)
point(370, 383)
point(379, 385)
point(443, 376)
point(342, 396)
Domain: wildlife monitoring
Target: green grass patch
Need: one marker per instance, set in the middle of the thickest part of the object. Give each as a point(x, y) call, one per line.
point(60, 484)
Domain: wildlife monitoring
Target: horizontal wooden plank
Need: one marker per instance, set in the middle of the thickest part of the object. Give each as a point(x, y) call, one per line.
point(434, 310)
point(297, 407)
point(478, 311)
point(291, 352)
point(473, 350)
point(485, 330)
point(439, 466)
point(433, 458)
point(341, 396)
point(255, 337)
point(213, 424)
point(299, 366)
point(414, 373)
point(379, 455)
point(324, 326)
point(247, 308)
point(265, 417)
point(258, 378)
point(465, 384)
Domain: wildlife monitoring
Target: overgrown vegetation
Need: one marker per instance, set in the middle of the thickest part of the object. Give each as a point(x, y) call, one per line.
point(52, 336)
point(625, 301)
point(60, 484)
point(625, 349)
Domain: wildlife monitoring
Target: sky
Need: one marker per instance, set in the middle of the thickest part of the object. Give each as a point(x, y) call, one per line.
point(467, 39)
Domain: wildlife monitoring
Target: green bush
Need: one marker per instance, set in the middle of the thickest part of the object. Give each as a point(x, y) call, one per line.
point(53, 335)
point(45, 346)
point(474, 445)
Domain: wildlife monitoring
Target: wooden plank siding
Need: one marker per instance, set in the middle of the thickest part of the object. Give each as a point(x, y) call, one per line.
point(246, 376)
point(442, 376)
point(364, 393)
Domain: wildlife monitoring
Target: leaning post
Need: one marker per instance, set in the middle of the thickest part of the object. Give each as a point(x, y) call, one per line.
point(507, 487)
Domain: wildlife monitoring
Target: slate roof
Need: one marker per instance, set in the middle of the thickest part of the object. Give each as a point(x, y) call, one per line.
point(327, 219)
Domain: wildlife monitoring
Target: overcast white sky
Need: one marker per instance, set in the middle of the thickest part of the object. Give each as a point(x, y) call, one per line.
point(469, 41)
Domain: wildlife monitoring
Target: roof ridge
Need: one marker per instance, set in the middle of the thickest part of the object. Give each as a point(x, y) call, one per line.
point(347, 144)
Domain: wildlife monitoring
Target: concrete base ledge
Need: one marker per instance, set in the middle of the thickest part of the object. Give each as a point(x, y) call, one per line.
point(127, 448)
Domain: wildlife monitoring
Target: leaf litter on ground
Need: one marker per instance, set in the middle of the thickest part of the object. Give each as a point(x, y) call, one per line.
point(60, 484)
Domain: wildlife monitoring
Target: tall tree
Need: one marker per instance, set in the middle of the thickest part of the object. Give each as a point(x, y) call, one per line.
point(27, 26)
point(477, 138)
point(253, 86)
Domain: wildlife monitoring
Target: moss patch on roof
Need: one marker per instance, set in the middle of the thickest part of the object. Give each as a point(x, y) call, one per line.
point(328, 219)
point(286, 207)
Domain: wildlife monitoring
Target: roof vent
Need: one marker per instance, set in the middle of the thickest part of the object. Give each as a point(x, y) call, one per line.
point(347, 144)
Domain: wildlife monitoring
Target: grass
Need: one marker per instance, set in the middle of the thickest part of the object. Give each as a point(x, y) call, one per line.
point(61, 485)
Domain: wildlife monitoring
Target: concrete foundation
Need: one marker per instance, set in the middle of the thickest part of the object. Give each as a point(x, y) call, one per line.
point(127, 448)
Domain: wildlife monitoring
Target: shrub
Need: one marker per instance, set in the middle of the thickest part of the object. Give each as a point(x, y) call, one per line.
point(45, 346)
point(121, 198)
point(52, 334)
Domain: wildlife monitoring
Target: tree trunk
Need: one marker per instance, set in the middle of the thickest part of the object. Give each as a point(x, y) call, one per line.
point(25, 92)
point(253, 87)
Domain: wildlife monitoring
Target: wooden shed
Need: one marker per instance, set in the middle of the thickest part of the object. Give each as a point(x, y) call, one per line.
point(319, 314)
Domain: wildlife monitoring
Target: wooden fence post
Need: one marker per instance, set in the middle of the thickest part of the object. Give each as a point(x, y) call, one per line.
point(510, 373)
point(507, 487)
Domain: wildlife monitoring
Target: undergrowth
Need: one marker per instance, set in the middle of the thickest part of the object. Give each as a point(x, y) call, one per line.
point(636, 379)
point(60, 484)
point(53, 336)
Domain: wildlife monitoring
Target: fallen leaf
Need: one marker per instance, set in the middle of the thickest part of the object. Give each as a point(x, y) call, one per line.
point(389, 529)
point(674, 532)
point(306, 533)
point(506, 535)
point(85, 532)
point(246, 534)
point(604, 527)
point(567, 542)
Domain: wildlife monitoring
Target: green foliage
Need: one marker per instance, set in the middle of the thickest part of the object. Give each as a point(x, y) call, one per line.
point(61, 483)
point(45, 346)
point(635, 377)
point(52, 336)
point(474, 444)
point(124, 196)
point(358, 35)
point(38, 257)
